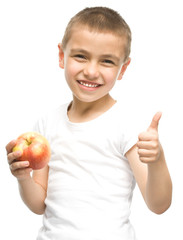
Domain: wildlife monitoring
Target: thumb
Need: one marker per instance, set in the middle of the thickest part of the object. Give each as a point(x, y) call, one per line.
point(155, 122)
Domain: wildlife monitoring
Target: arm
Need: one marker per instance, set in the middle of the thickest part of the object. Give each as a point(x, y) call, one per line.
point(33, 188)
point(148, 163)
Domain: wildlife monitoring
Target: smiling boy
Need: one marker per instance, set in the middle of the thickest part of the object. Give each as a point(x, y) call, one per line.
point(93, 62)
point(85, 193)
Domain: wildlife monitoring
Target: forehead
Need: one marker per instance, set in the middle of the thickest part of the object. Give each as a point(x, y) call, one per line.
point(93, 40)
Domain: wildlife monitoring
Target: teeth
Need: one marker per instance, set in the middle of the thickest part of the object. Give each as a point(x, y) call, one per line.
point(88, 85)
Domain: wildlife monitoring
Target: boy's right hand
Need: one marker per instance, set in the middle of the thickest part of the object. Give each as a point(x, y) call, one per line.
point(19, 169)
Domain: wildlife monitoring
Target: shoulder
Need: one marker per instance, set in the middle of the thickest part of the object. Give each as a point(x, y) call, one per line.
point(50, 119)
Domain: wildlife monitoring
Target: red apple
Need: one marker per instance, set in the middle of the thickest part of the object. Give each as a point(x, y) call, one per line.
point(35, 149)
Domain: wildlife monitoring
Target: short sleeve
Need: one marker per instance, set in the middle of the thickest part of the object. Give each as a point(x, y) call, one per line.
point(129, 139)
point(39, 126)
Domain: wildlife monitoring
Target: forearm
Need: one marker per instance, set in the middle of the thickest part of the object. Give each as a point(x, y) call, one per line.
point(33, 195)
point(159, 186)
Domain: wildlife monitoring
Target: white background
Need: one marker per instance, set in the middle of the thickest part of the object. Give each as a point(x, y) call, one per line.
point(31, 83)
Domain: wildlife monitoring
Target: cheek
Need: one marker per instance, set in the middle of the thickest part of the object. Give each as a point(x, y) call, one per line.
point(71, 70)
point(110, 77)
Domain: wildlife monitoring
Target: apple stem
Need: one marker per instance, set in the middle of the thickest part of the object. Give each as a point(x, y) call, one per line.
point(28, 142)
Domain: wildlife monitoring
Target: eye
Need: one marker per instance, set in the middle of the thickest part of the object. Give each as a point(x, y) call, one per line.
point(108, 62)
point(80, 56)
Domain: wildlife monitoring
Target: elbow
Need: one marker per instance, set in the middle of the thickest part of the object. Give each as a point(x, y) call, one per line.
point(38, 210)
point(161, 209)
point(160, 205)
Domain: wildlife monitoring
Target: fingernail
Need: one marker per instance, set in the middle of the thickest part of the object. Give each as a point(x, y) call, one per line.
point(26, 163)
point(19, 153)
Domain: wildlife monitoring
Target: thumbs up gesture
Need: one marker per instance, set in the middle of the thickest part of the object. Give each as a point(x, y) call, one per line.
point(148, 145)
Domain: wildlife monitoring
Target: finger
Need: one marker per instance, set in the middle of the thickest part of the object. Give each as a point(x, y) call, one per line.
point(146, 145)
point(146, 153)
point(155, 121)
point(144, 136)
point(10, 146)
point(146, 159)
point(147, 136)
point(13, 156)
point(19, 165)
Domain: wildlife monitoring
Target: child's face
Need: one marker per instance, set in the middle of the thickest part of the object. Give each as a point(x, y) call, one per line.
point(93, 62)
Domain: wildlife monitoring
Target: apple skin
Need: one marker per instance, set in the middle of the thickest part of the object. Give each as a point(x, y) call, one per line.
point(35, 149)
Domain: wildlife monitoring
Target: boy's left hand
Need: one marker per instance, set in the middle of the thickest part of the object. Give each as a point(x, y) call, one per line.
point(148, 145)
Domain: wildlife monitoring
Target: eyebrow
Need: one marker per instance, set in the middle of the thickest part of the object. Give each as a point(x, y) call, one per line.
point(111, 56)
point(80, 50)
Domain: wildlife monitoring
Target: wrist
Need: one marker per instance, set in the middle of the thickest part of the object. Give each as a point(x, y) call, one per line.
point(24, 180)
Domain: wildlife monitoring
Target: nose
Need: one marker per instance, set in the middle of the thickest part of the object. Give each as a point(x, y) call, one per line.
point(91, 71)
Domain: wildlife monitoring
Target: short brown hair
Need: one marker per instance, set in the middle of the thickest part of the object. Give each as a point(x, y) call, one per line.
point(101, 19)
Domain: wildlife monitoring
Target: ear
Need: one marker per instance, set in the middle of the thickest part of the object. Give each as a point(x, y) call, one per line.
point(61, 56)
point(123, 68)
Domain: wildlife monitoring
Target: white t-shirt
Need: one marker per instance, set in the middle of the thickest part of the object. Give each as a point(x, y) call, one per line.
point(90, 181)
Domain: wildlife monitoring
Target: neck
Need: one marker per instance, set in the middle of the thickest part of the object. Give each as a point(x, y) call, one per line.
point(85, 111)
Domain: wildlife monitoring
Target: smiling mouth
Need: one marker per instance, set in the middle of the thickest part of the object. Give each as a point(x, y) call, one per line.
point(89, 84)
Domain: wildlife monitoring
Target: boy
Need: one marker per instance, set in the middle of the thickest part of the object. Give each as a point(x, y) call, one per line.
point(85, 193)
